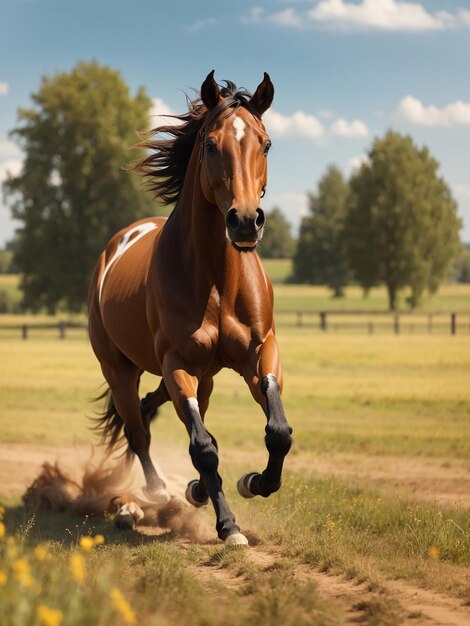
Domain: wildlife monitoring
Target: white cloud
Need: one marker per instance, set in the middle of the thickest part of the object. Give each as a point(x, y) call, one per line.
point(201, 24)
point(162, 110)
point(8, 149)
point(455, 114)
point(254, 15)
point(4, 88)
point(10, 167)
point(462, 192)
point(308, 126)
point(386, 15)
point(294, 205)
point(356, 162)
point(288, 17)
point(343, 128)
point(299, 124)
point(464, 16)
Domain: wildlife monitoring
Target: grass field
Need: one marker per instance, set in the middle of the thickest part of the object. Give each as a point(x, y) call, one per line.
point(373, 511)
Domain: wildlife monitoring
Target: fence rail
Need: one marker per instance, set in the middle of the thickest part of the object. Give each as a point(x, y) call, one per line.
point(372, 321)
point(368, 322)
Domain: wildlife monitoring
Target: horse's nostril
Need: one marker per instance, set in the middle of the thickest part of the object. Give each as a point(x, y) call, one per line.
point(260, 218)
point(232, 219)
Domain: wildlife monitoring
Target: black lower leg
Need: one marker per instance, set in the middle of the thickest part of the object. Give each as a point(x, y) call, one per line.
point(139, 443)
point(150, 404)
point(203, 451)
point(278, 439)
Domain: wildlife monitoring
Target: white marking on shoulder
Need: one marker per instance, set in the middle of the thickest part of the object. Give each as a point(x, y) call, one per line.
point(124, 245)
point(239, 126)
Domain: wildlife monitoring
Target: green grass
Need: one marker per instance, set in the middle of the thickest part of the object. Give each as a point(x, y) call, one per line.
point(375, 395)
point(370, 396)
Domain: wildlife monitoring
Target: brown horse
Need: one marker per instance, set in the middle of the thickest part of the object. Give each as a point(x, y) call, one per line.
point(184, 297)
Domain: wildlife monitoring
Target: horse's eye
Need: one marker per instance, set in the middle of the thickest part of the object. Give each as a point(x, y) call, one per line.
point(210, 147)
point(266, 148)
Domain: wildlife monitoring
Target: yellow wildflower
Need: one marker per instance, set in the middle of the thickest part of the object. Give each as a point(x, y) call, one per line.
point(433, 552)
point(3, 530)
point(22, 572)
point(3, 578)
point(77, 567)
point(87, 543)
point(41, 553)
point(98, 539)
point(122, 606)
point(48, 616)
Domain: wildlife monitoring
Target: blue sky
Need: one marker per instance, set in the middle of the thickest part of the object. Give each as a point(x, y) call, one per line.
point(344, 71)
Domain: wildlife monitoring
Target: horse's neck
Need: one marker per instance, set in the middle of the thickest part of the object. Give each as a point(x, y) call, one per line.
point(200, 228)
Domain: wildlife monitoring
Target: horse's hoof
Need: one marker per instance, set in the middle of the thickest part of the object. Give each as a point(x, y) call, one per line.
point(189, 494)
point(237, 540)
point(158, 496)
point(128, 516)
point(244, 483)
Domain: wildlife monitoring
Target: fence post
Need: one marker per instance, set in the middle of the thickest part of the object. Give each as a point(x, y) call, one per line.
point(453, 323)
point(24, 331)
point(299, 318)
point(61, 330)
point(430, 323)
point(396, 324)
point(371, 328)
point(323, 323)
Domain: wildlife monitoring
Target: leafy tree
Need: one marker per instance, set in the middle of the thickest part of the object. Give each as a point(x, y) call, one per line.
point(321, 258)
point(402, 225)
point(73, 192)
point(278, 242)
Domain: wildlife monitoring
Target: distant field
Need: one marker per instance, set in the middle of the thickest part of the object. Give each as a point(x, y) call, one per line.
point(454, 297)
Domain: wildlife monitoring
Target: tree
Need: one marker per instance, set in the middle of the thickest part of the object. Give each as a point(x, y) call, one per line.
point(402, 226)
point(321, 258)
point(278, 242)
point(73, 192)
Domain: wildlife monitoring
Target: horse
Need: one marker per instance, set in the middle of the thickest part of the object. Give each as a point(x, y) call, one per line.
point(186, 296)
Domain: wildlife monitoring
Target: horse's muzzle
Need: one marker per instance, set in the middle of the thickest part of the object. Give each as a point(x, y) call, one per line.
point(244, 231)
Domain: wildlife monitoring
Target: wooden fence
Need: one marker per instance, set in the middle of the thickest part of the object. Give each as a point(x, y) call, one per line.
point(368, 322)
point(372, 322)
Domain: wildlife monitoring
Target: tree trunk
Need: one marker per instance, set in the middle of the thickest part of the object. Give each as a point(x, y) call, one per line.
point(392, 297)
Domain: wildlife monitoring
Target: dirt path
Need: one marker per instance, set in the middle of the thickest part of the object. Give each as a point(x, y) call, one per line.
point(19, 464)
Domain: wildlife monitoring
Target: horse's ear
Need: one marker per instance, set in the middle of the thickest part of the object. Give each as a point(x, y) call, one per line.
point(210, 91)
point(263, 96)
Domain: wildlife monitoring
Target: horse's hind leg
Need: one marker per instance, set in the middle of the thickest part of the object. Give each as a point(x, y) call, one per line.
point(123, 382)
point(152, 402)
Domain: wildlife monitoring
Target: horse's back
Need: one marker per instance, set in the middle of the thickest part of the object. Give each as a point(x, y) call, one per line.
point(117, 297)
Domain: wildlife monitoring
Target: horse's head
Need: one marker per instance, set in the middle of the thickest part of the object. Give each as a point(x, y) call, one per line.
point(234, 152)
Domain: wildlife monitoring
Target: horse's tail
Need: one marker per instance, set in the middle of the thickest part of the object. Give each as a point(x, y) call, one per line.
point(110, 425)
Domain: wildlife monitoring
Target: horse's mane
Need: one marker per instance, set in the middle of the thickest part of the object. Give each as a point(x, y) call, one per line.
point(165, 168)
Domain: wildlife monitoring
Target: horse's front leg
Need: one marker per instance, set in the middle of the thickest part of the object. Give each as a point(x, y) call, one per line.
point(264, 378)
point(182, 383)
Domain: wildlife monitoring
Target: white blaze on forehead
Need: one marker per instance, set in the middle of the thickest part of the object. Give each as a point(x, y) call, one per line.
point(239, 126)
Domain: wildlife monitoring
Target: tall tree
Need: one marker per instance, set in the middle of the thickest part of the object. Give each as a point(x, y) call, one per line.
point(73, 192)
point(277, 242)
point(321, 257)
point(402, 225)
